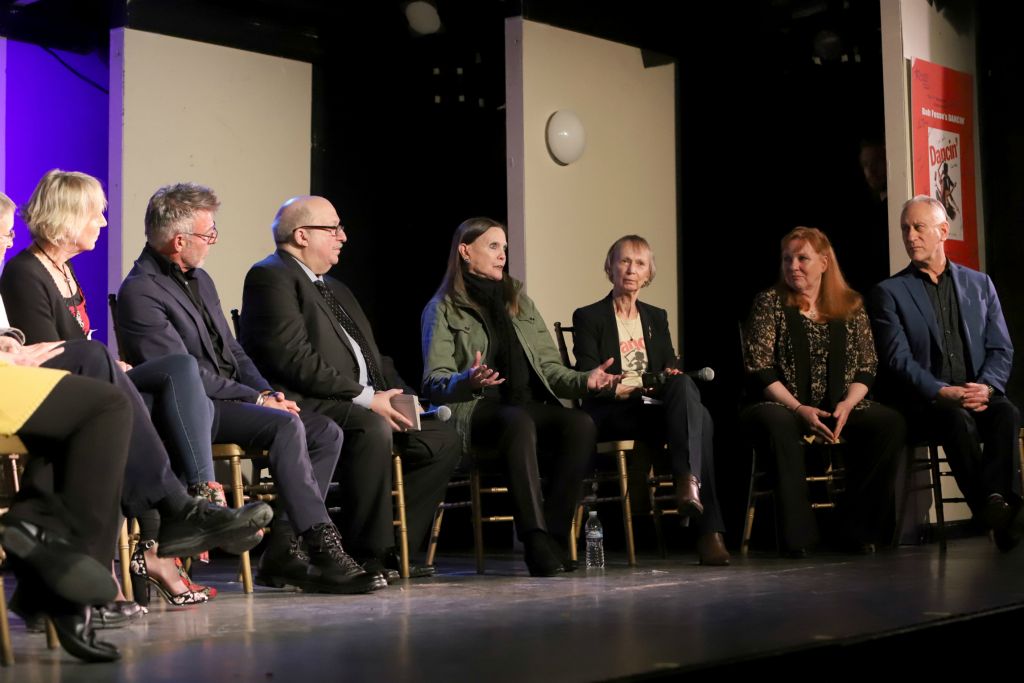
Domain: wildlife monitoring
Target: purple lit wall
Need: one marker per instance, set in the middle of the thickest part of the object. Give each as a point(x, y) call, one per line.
point(56, 119)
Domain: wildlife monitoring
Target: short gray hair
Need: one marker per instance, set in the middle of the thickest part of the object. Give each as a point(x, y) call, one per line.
point(923, 199)
point(171, 208)
point(61, 205)
point(288, 218)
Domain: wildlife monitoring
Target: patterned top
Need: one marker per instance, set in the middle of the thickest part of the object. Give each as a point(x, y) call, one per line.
point(632, 351)
point(816, 362)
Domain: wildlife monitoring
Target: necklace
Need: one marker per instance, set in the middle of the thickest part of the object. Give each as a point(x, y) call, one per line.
point(63, 269)
point(631, 327)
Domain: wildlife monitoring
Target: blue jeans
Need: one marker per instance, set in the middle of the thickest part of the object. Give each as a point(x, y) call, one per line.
point(181, 412)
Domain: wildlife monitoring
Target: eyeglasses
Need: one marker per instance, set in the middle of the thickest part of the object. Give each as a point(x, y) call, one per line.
point(335, 230)
point(209, 237)
point(9, 237)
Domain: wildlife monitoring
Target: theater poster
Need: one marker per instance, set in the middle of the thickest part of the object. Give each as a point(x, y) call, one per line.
point(941, 103)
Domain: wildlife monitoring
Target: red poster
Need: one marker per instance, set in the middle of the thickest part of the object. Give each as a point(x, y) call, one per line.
point(941, 102)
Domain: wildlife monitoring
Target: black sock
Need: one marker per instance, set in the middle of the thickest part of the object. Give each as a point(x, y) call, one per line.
point(176, 500)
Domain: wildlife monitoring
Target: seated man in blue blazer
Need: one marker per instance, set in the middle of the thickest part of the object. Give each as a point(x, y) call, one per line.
point(169, 304)
point(942, 338)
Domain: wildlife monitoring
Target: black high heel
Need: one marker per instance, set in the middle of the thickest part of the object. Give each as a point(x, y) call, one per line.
point(72, 622)
point(142, 582)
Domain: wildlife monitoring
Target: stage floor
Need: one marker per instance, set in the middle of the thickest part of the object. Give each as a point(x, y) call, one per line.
point(505, 626)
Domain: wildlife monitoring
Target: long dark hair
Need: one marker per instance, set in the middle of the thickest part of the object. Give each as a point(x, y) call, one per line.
point(453, 284)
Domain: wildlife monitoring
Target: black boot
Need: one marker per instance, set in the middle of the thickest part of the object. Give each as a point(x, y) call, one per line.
point(284, 562)
point(543, 558)
point(331, 570)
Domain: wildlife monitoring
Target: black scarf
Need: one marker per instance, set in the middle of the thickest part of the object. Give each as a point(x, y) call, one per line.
point(506, 354)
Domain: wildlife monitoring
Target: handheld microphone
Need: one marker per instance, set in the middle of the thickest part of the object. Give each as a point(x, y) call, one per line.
point(702, 375)
point(439, 413)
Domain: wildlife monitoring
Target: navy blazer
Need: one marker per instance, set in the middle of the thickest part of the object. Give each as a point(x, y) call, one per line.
point(297, 341)
point(909, 340)
point(155, 317)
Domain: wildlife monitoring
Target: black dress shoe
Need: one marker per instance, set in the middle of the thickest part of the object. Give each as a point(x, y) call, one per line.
point(393, 562)
point(76, 635)
point(72, 575)
point(568, 564)
point(1009, 536)
point(331, 569)
point(997, 513)
point(542, 555)
point(116, 614)
point(202, 525)
point(375, 566)
point(71, 622)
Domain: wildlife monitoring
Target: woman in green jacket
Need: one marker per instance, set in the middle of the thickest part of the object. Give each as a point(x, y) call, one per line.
point(487, 353)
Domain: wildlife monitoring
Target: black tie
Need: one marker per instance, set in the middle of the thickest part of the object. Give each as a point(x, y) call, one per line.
point(349, 325)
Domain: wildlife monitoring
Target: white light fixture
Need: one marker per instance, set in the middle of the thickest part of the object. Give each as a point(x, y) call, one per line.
point(566, 138)
point(422, 17)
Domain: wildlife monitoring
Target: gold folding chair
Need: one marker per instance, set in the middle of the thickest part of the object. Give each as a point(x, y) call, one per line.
point(398, 497)
point(13, 449)
point(829, 480)
point(471, 481)
point(618, 449)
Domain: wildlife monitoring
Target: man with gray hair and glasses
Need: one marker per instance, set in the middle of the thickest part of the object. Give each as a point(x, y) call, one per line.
point(946, 352)
point(169, 304)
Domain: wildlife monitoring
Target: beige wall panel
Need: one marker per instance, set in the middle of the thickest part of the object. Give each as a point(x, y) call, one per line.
point(562, 219)
point(236, 121)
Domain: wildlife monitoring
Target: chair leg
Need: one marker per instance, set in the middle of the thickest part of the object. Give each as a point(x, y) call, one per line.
point(124, 554)
point(6, 649)
point(652, 493)
point(478, 524)
point(403, 530)
point(12, 472)
point(435, 533)
point(627, 508)
point(52, 642)
point(748, 523)
point(238, 498)
point(1020, 458)
point(940, 513)
point(574, 539)
point(908, 482)
point(574, 533)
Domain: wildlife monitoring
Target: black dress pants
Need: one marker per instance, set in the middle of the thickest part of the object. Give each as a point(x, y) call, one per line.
point(874, 437)
point(682, 422)
point(303, 450)
point(80, 432)
point(962, 432)
point(429, 457)
point(148, 478)
point(519, 434)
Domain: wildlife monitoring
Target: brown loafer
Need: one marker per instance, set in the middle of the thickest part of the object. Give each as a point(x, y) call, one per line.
point(688, 497)
point(711, 550)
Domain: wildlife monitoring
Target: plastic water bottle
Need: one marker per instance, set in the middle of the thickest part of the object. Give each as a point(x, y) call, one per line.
point(595, 542)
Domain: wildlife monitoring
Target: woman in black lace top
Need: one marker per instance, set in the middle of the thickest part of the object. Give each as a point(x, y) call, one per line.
point(808, 348)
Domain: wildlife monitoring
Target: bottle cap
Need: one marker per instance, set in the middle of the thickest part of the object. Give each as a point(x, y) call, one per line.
point(593, 513)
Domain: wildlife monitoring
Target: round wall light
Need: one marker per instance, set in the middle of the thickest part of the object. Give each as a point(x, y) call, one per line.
point(565, 136)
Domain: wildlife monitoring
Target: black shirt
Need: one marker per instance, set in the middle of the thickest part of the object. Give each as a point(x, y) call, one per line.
point(947, 313)
point(188, 283)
